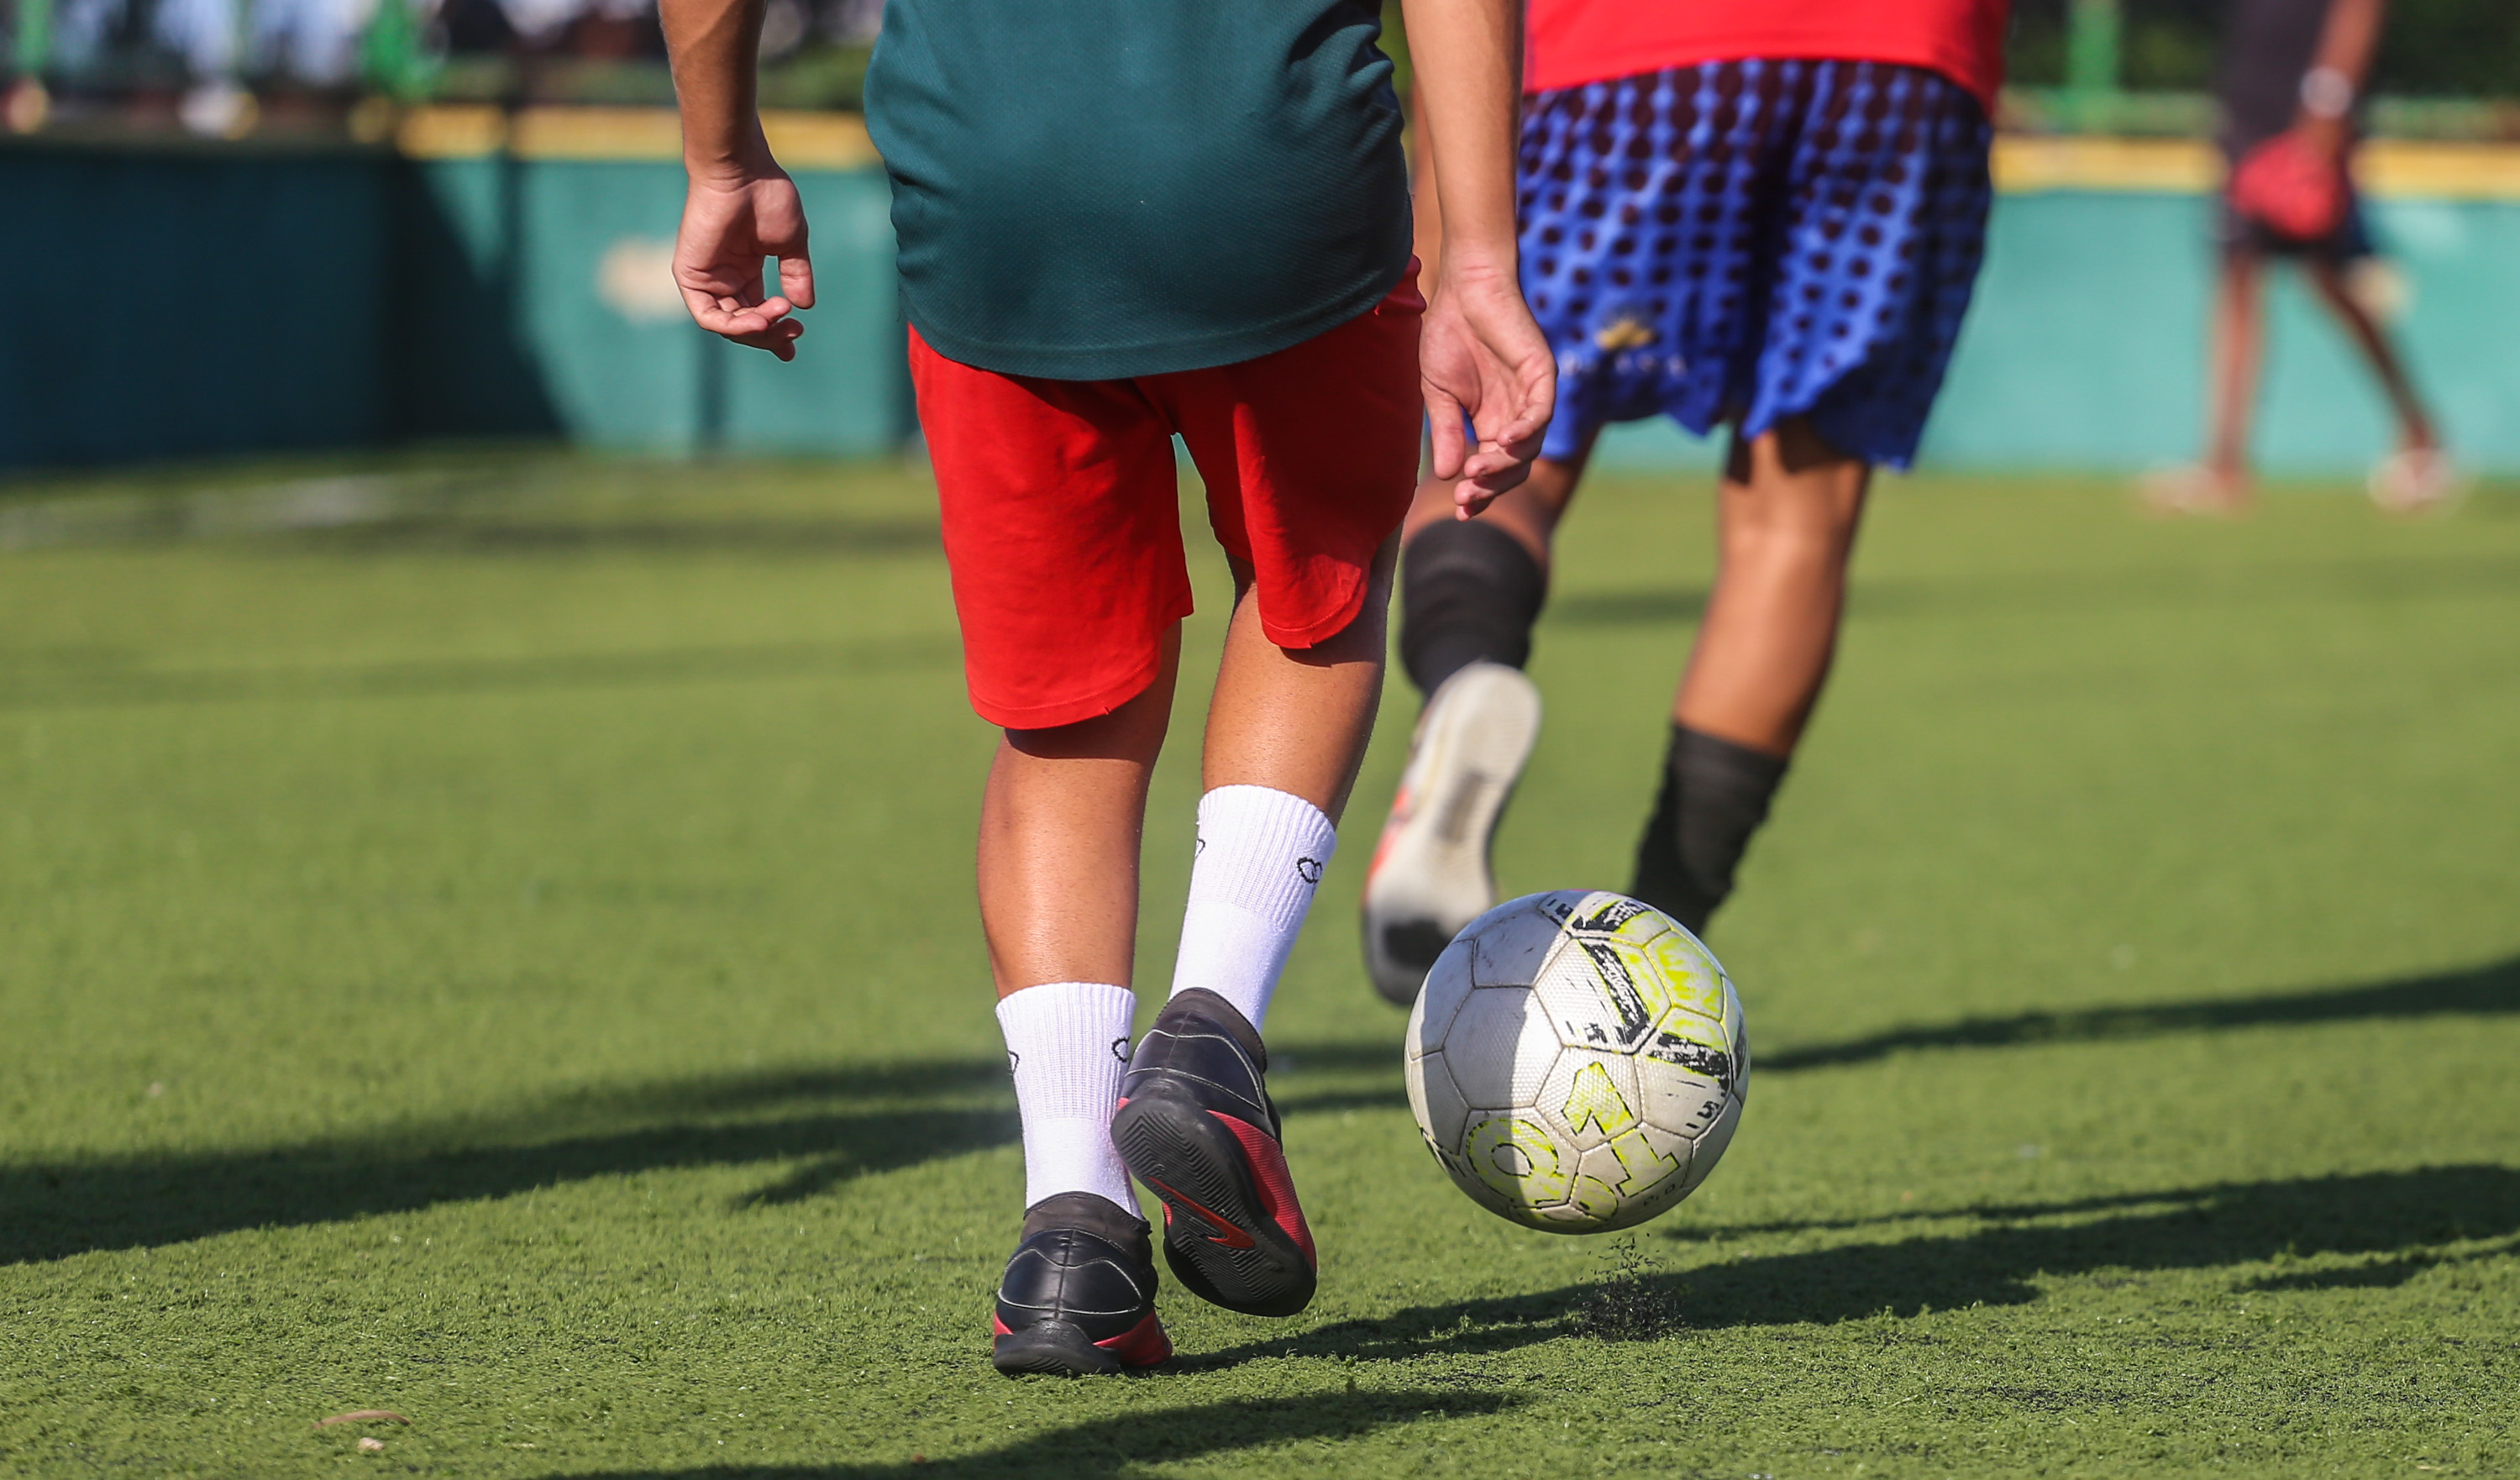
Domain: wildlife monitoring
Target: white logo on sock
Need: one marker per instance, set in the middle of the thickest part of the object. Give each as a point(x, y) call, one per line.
point(1309, 870)
point(1120, 1049)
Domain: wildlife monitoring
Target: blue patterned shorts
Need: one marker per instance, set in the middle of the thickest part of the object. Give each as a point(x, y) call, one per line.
point(1754, 241)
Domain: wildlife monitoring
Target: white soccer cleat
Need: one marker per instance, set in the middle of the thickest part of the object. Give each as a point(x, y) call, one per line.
point(1430, 874)
point(2417, 481)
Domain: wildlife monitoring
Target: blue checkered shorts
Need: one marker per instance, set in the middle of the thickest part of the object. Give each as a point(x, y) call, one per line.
point(1752, 240)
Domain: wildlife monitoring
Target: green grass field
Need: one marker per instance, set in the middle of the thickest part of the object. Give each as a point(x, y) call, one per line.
point(491, 939)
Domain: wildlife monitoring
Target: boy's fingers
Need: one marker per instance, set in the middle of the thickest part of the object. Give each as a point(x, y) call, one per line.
point(796, 279)
point(1443, 431)
point(779, 338)
point(761, 325)
point(710, 311)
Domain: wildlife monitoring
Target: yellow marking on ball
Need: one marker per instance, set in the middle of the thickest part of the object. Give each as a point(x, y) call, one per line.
point(1518, 1159)
point(1592, 1100)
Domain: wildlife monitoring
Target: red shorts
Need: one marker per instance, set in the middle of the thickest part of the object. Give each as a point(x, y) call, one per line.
point(1062, 516)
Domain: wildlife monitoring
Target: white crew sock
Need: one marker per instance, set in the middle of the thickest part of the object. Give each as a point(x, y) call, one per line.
point(1067, 1045)
point(1261, 853)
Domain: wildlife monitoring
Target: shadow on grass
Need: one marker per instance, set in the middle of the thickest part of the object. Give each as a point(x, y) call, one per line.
point(2396, 1213)
point(835, 1126)
point(761, 536)
point(839, 1124)
point(2132, 587)
point(104, 686)
point(2491, 988)
point(1124, 1441)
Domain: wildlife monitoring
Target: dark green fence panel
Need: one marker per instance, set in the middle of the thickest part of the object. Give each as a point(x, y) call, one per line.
point(177, 304)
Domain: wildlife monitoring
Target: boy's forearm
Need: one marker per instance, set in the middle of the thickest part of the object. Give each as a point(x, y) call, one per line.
point(1467, 60)
point(2350, 40)
point(713, 44)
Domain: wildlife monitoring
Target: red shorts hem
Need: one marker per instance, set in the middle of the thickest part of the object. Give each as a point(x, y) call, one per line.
point(1075, 711)
point(1323, 628)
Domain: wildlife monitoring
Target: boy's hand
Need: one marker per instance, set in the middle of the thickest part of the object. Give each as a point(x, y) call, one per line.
point(730, 223)
point(1481, 357)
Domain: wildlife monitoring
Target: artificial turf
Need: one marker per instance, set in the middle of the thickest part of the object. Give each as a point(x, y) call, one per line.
point(490, 939)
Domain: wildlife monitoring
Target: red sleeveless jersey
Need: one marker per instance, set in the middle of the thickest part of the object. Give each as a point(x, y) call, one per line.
point(1574, 41)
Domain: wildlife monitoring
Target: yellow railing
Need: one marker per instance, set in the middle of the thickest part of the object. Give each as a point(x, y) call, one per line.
point(2023, 162)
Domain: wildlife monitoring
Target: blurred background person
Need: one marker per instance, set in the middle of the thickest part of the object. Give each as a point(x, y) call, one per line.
point(2291, 75)
point(203, 36)
point(314, 43)
point(219, 45)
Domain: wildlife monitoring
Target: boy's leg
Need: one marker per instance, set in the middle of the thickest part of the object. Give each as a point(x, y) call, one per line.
point(1058, 501)
point(1789, 508)
point(1470, 593)
point(1060, 825)
point(1059, 828)
point(1298, 719)
point(1308, 456)
point(1472, 589)
point(1285, 731)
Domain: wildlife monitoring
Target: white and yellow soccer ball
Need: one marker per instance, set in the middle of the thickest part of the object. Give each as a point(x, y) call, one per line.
point(1577, 1062)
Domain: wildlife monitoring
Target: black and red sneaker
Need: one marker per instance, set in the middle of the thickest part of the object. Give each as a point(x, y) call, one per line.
point(1079, 1296)
point(1195, 1123)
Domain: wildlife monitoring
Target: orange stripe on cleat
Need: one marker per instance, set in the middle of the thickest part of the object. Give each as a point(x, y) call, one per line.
point(1276, 1185)
point(1142, 1345)
point(1225, 1233)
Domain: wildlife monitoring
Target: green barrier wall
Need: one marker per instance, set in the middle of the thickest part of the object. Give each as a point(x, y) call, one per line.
point(169, 305)
point(616, 359)
point(188, 302)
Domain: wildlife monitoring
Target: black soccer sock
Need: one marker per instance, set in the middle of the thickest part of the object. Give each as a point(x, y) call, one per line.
point(1467, 592)
point(1714, 795)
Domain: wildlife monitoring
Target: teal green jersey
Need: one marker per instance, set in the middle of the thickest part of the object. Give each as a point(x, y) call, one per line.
point(1095, 189)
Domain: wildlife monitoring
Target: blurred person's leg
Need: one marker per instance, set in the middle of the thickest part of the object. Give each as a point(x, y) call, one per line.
point(2415, 423)
point(2236, 358)
point(2218, 482)
point(1788, 508)
point(2417, 476)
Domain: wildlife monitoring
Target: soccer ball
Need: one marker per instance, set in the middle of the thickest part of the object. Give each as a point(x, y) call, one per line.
point(1577, 1062)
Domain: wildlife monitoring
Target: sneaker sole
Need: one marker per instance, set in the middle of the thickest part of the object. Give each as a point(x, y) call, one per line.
point(1223, 1233)
point(1058, 1349)
point(1430, 874)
